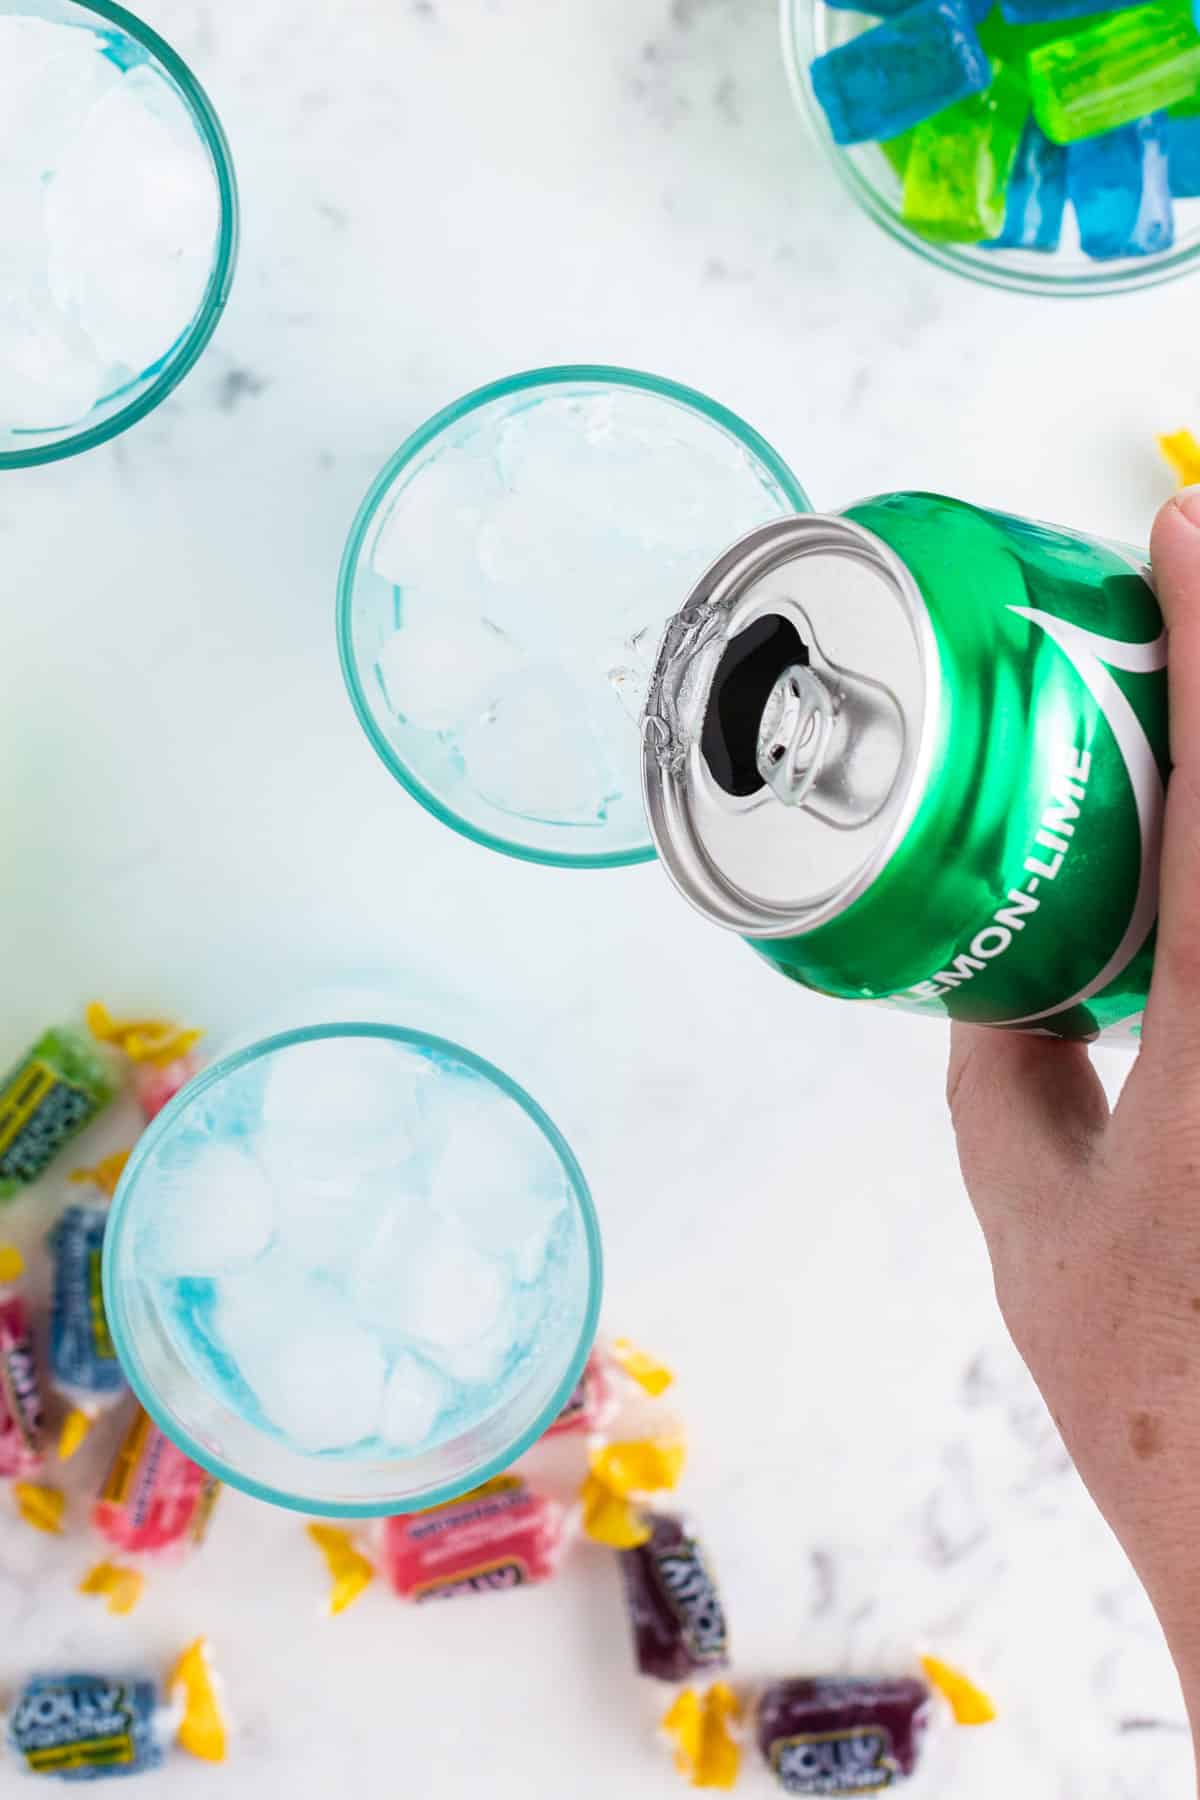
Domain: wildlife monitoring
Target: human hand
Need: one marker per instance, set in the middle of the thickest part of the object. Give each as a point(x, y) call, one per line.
point(1092, 1221)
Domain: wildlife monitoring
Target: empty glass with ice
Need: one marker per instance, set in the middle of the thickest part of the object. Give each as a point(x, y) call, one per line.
point(120, 224)
point(353, 1269)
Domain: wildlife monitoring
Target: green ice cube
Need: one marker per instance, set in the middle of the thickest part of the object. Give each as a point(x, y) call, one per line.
point(1122, 67)
point(956, 179)
point(897, 149)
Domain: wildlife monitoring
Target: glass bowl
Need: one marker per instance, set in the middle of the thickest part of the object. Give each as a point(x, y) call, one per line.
point(278, 1273)
point(505, 585)
point(77, 352)
point(809, 29)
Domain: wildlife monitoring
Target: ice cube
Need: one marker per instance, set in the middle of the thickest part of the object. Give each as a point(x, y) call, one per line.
point(427, 538)
point(132, 216)
point(413, 1397)
point(431, 1285)
point(535, 751)
point(441, 664)
point(317, 1376)
point(341, 1081)
point(901, 72)
point(498, 1179)
point(214, 1215)
point(50, 374)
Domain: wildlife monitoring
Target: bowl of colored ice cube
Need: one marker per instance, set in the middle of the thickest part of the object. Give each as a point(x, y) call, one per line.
point(505, 586)
point(120, 224)
point(1038, 145)
point(353, 1269)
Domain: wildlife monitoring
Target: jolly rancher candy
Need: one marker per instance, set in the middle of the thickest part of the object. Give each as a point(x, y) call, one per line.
point(20, 1395)
point(83, 1360)
point(54, 1092)
point(503, 1535)
point(81, 1727)
point(674, 1608)
point(154, 1500)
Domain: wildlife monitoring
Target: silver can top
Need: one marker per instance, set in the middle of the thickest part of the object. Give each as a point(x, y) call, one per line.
point(789, 725)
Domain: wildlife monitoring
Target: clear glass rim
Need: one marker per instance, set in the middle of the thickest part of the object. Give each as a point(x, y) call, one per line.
point(560, 374)
point(315, 1505)
point(220, 278)
point(795, 17)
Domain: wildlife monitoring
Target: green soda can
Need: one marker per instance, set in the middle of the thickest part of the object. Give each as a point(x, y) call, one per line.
point(916, 752)
point(57, 1089)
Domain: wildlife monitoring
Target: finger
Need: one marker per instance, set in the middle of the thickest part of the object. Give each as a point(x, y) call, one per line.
point(1172, 1033)
point(1027, 1113)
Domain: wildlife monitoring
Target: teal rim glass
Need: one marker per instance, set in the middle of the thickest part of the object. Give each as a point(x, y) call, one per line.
point(776, 478)
point(809, 28)
point(248, 1457)
point(121, 410)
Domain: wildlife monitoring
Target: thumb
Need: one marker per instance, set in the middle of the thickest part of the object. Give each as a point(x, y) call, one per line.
point(1027, 1111)
point(1172, 1036)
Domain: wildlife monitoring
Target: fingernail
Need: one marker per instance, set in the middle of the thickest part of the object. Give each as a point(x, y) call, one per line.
point(1188, 502)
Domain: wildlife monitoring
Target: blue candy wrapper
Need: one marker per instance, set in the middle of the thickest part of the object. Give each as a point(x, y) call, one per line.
point(83, 1359)
point(82, 1727)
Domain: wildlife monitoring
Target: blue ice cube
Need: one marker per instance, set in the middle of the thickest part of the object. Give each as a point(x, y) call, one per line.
point(1183, 156)
point(1037, 12)
point(901, 72)
point(1119, 188)
point(1037, 195)
point(887, 9)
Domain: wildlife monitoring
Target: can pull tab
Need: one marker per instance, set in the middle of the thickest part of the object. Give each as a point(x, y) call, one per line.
point(794, 734)
point(831, 742)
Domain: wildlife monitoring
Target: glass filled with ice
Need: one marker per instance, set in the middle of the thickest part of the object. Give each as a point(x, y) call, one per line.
point(353, 1269)
point(505, 586)
point(120, 224)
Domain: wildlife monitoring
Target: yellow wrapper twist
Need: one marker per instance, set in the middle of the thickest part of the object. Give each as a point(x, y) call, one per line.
point(193, 1684)
point(1183, 453)
point(349, 1569)
point(969, 1704)
point(41, 1507)
point(75, 1428)
point(106, 1173)
point(700, 1726)
point(120, 1588)
point(158, 1041)
point(620, 1471)
point(651, 1376)
point(12, 1264)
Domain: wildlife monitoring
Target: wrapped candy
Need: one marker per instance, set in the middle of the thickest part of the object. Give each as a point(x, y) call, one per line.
point(161, 1051)
point(596, 1396)
point(674, 1608)
point(154, 1499)
point(59, 1086)
point(20, 1395)
point(590, 1403)
point(83, 1361)
point(503, 1535)
point(80, 1727)
point(832, 1735)
point(823, 1734)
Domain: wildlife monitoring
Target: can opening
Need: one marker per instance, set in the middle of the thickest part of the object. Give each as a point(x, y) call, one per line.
point(746, 675)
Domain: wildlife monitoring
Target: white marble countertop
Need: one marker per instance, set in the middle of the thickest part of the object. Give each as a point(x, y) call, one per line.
point(437, 192)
